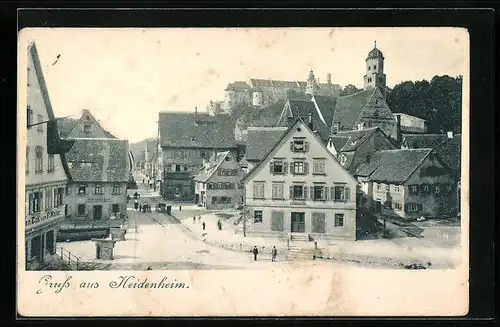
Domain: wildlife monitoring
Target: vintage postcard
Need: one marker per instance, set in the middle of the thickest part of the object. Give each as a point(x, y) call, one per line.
point(243, 172)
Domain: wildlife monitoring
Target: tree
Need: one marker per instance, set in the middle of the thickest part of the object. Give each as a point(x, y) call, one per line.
point(349, 89)
point(293, 94)
point(439, 102)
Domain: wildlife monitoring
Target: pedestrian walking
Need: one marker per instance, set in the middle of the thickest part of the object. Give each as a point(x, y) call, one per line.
point(128, 198)
point(149, 208)
point(140, 207)
point(203, 225)
point(180, 208)
point(274, 253)
point(136, 204)
point(255, 251)
point(194, 219)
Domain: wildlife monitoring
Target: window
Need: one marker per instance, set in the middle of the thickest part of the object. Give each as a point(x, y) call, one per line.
point(39, 127)
point(388, 187)
point(49, 198)
point(27, 165)
point(319, 166)
point(299, 145)
point(397, 206)
point(396, 188)
point(298, 192)
point(35, 202)
point(319, 193)
point(277, 219)
point(413, 207)
point(369, 67)
point(278, 167)
point(98, 188)
point(87, 128)
point(227, 158)
point(369, 79)
point(257, 216)
point(378, 186)
point(413, 189)
point(50, 165)
point(425, 189)
point(81, 210)
point(339, 220)
point(340, 193)
point(38, 159)
point(374, 67)
point(82, 188)
point(58, 196)
point(318, 222)
point(221, 200)
point(116, 189)
point(177, 167)
point(437, 189)
point(210, 186)
point(258, 190)
point(343, 159)
point(299, 167)
point(29, 117)
point(278, 191)
point(115, 208)
point(68, 190)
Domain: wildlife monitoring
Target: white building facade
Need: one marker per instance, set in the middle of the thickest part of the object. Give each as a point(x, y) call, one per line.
point(300, 188)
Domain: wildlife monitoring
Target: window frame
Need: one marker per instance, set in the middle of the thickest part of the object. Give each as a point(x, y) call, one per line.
point(78, 212)
point(116, 189)
point(315, 216)
point(51, 163)
point(80, 186)
point(98, 189)
point(29, 117)
point(260, 219)
point(277, 189)
point(40, 119)
point(316, 163)
point(339, 220)
point(38, 159)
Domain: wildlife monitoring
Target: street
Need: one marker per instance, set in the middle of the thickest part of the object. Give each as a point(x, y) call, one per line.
point(159, 242)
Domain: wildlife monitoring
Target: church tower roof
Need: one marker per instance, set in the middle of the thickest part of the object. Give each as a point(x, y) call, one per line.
point(375, 53)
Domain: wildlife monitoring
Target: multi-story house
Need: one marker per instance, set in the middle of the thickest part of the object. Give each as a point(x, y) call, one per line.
point(299, 187)
point(186, 140)
point(218, 184)
point(87, 126)
point(46, 170)
point(99, 171)
point(408, 183)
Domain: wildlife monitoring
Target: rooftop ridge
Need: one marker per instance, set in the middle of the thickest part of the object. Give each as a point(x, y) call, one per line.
point(267, 128)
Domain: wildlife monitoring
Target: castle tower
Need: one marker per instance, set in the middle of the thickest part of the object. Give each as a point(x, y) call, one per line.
point(311, 86)
point(374, 69)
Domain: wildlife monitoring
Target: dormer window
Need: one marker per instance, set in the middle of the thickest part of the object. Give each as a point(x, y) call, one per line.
point(87, 128)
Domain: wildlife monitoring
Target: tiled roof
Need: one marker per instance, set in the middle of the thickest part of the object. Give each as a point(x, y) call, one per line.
point(348, 108)
point(212, 168)
point(375, 53)
point(448, 149)
point(356, 137)
point(99, 160)
point(288, 84)
point(392, 166)
point(326, 105)
point(302, 109)
point(261, 139)
point(238, 85)
point(65, 125)
point(260, 82)
point(339, 141)
point(190, 130)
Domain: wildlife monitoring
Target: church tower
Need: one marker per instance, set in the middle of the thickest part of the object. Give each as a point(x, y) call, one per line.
point(374, 69)
point(311, 86)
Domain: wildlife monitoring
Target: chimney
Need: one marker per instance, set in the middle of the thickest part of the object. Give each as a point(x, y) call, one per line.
point(450, 134)
point(329, 78)
point(398, 130)
point(310, 122)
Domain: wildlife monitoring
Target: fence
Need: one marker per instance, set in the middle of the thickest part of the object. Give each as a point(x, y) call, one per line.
point(65, 255)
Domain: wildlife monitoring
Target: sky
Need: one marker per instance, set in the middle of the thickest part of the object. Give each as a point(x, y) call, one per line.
point(125, 77)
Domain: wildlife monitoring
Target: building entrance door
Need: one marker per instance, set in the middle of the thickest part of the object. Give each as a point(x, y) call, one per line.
point(298, 222)
point(97, 212)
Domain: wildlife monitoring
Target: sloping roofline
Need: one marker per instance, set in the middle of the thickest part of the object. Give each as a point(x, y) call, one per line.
point(286, 134)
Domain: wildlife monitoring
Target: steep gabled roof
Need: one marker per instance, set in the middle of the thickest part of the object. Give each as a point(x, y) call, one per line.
point(192, 130)
point(73, 132)
point(302, 109)
point(99, 160)
point(392, 166)
point(448, 149)
point(326, 106)
point(355, 137)
point(288, 132)
point(260, 140)
point(55, 144)
point(212, 167)
point(349, 107)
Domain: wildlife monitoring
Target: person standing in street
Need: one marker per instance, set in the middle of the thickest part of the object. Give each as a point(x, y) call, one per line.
point(274, 253)
point(194, 219)
point(199, 219)
point(203, 225)
point(255, 251)
point(180, 208)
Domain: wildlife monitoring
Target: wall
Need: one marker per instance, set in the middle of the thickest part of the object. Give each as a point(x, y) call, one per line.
point(335, 173)
point(412, 123)
point(235, 194)
point(90, 199)
point(395, 194)
point(433, 205)
point(375, 143)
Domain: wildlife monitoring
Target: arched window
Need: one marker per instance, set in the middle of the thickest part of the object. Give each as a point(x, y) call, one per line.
point(38, 159)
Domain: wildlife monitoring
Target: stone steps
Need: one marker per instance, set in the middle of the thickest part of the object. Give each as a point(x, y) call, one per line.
point(300, 237)
point(298, 252)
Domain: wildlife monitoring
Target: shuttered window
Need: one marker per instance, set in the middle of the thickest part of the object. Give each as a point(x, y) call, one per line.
point(318, 222)
point(277, 221)
point(258, 190)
